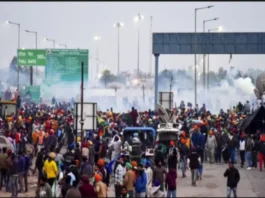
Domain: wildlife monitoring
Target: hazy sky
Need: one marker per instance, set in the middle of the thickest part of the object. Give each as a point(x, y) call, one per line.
point(76, 23)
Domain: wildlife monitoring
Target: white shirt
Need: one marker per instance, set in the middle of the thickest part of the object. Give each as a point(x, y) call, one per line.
point(242, 145)
point(149, 175)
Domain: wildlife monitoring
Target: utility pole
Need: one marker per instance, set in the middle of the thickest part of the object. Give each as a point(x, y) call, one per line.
point(143, 87)
point(82, 103)
point(151, 41)
point(170, 85)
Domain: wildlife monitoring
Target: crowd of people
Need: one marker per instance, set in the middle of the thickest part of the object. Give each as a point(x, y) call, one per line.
point(39, 135)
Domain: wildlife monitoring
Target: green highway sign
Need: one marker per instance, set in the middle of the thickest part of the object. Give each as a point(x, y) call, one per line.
point(32, 93)
point(64, 65)
point(32, 57)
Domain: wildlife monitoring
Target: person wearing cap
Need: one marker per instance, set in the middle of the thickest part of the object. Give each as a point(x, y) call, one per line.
point(172, 148)
point(129, 179)
point(50, 169)
point(91, 152)
point(102, 170)
point(100, 187)
point(85, 150)
point(173, 157)
point(86, 189)
point(233, 178)
point(35, 139)
point(183, 153)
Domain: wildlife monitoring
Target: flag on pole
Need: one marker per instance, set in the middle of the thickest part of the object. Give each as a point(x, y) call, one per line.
point(230, 58)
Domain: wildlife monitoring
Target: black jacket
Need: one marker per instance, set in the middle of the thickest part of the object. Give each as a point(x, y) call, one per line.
point(233, 177)
point(183, 151)
point(262, 148)
point(172, 162)
point(194, 160)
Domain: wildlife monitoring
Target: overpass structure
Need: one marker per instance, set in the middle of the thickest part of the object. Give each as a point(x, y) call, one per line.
point(204, 43)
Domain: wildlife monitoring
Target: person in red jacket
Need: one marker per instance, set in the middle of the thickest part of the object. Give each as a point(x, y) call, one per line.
point(17, 140)
point(86, 189)
point(262, 151)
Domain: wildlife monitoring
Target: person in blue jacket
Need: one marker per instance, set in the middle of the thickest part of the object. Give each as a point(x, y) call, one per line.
point(141, 181)
point(201, 147)
point(195, 136)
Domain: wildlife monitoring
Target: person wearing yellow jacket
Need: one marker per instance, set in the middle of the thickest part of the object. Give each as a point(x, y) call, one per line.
point(50, 169)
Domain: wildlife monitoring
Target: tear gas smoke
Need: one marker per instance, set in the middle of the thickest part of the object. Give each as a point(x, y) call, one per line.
point(223, 95)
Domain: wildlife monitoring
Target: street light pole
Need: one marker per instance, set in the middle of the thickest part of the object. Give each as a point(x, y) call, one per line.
point(143, 93)
point(150, 46)
point(18, 25)
point(204, 69)
point(51, 40)
point(118, 26)
point(137, 19)
point(36, 46)
point(195, 63)
point(208, 61)
point(97, 38)
point(64, 45)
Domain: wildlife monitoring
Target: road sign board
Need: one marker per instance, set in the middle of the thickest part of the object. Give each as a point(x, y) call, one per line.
point(32, 57)
point(32, 93)
point(64, 65)
point(209, 43)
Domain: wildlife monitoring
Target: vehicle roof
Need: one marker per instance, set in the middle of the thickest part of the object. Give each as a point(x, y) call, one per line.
point(140, 129)
point(167, 130)
point(7, 102)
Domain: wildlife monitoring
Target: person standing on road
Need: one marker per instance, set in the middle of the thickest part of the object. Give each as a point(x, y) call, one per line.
point(254, 153)
point(211, 145)
point(262, 151)
point(26, 170)
point(149, 176)
point(14, 171)
point(171, 183)
point(233, 177)
point(86, 189)
point(119, 175)
point(232, 147)
point(129, 180)
point(3, 167)
point(100, 187)
point(22, 164)
point(183, 152)
point(50, 169)
point(194, 161)
point(44, 189)
point(159, 174)
point(249, 147)
point(242, 149)
point(141, 181)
